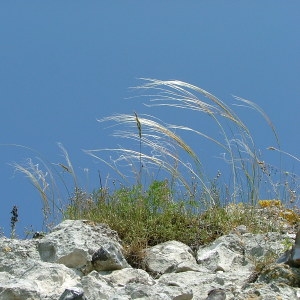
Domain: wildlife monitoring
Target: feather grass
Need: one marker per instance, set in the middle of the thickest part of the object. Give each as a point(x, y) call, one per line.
point(162, 143)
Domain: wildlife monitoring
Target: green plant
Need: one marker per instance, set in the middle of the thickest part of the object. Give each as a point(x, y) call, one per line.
point(141, 217)
point(287, 244)
point(148, 217)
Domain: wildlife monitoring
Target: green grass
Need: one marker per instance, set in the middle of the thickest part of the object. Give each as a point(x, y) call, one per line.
point(161, 189)
point(146, 218)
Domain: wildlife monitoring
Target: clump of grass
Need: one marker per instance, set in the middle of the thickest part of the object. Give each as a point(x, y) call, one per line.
point(145, 218)
point(142, 218)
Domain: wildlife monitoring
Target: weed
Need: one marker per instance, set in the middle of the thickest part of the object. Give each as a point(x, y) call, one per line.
point(287, 244)
point(47, 178)
point(141, 217)
point(13, 221)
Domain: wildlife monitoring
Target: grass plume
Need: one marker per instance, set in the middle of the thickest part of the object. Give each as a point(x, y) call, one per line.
point(47, 179)
point(164, 148)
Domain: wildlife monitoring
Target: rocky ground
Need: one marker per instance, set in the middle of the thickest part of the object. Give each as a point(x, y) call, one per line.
point(83, 260)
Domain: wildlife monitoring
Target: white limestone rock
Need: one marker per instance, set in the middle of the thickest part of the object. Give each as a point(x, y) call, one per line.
point(167, 257)
point(96, 287)
point(291, 256)
point(224, 254)
point(36, 279)
point(198, 283)
point(259, 245)
point(158, 292)
point(82, 260)
point(12, 288)
point(12, 249)
point(74, 242)
point(121, 278)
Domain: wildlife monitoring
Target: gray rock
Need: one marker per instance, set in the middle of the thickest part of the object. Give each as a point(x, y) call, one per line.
point(73, 293)
point(224, 254)
point(83, 260)
point(108, 258)
point(199, 283)
point(12, 288)
point(166, 257)
point(38, 279)
point(292, 257)
point(271, 291)
point(216, 294)
point(261, 245)
point(12, 249)
point(281, 274)
point(73, 243)
point(158, 292)
point(96, 287)
point(123, 277)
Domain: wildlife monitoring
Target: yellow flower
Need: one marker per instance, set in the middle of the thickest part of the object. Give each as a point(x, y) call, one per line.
point(269, 203)
point(289, 215)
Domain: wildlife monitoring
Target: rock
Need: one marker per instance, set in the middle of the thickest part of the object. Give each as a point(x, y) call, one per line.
point(96, 287)
point(239, 252)
point(12, 249)
point(36, 279)
point(73, 293)
point(158, 292)
point(166, 257)
point(267, 292)
point(226, 253)
point(261, 245)
point(17, 289)
point(241, 229)
point(23, 273)
point(280, 273)
point(84, 260)
point(292, 257)
point(199, 283)
point(109, 257)
point(123, 277)
point(82, 240)
point(216, 294)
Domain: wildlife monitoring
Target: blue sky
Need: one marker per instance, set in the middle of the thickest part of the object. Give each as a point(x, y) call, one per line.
point(63, 64)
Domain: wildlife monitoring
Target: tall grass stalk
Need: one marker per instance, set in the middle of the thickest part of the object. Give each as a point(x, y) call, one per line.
point(162, 143)
point(47, 180)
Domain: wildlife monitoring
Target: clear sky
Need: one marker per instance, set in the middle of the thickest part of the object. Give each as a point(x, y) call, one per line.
point(63, 64)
